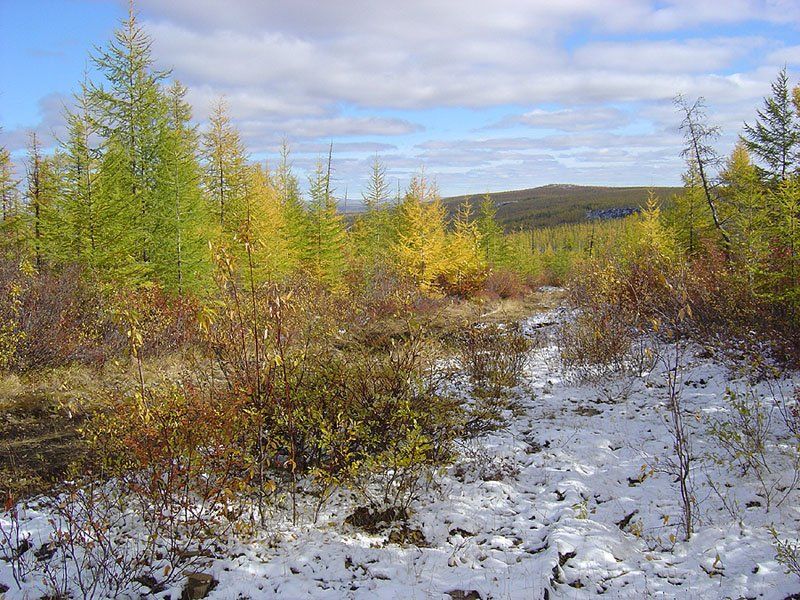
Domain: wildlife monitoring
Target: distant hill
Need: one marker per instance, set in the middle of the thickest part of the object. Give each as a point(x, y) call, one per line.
point(563, 203)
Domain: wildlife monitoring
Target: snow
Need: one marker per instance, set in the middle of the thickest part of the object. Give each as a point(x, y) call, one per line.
point(533, 511)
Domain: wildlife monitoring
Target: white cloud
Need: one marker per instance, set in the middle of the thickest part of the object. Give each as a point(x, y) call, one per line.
point(370, 74)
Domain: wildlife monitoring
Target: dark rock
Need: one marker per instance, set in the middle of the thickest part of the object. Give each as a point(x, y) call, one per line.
point(374, 521)
point(198, 585)
point(627, 520)
point(464, 595)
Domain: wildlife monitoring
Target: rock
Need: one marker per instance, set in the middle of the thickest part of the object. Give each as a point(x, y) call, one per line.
point(464, 595)
point(198, 585)
point(407, 535)
point(623, 524)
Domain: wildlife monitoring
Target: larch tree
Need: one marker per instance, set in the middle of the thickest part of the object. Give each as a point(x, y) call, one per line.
point(225, 169)
point(79, 205)
point(746, 204)
point(785, 242)
point(690, 217)
point(493, 242)
point(420, 250)
point(774, 137)
point(699, 137)
point(181, 258)
point(9, 196)
point(327, 237)
point(130, 115)
point(295, 217)
point(466, 263)
point(372, 231)
point(264, 229)
point(36, 198)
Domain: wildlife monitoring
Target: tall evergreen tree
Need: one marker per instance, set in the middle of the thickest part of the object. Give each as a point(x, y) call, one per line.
point(130, 116)
point(326, 256)
point(225, 169)
point(774, 138)
point(181, 258)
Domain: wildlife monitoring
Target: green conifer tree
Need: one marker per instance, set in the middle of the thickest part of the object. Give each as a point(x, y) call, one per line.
point(181, 257)
point(129, 115)
point(326, 256)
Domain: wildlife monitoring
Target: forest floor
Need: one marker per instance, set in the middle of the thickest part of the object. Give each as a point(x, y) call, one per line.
point(573, 499)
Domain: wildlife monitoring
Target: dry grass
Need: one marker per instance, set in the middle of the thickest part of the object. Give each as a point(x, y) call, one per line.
point(41, 413)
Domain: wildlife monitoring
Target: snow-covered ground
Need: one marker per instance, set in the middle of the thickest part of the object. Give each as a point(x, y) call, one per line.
point(570, 501)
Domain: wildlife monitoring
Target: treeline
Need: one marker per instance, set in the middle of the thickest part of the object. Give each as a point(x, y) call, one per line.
point(137, 194)
point(722, 264)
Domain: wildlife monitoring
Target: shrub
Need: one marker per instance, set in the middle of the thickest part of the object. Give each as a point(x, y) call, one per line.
point(494, 357)
point(505, 284)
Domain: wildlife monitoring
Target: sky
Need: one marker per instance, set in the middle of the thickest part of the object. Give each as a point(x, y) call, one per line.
point(482, 96)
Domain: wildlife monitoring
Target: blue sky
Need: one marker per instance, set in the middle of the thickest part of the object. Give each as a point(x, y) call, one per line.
point(484, 97)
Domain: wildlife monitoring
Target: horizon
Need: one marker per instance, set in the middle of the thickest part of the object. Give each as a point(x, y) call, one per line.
point(513, 97)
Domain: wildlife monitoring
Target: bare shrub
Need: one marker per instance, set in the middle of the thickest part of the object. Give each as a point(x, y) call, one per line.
point(494, 356)
point(15, 546)
point(504, 284)
point(407, 425)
